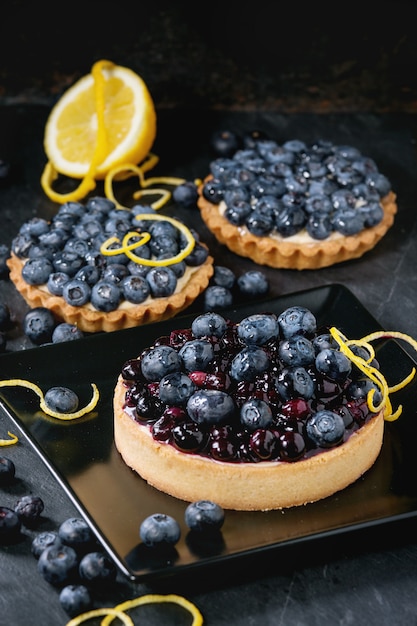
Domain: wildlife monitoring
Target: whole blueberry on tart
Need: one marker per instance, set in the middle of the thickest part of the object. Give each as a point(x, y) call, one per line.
point(102, 268)
point(265, 413)
point(297, 205)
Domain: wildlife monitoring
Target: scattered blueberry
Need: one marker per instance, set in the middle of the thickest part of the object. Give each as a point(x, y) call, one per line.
point(10, 524)
point(253, 284)
point(216, 297)
point(204, 516)
point(38, 325)
point(66, 332)
point(75, 599)
point(61, 399)
point(29, 509)
point(159, 530)
point(58, 565)
point(42, 541)
point(186, 195)
point(225, 142)
point(76, 533)
point(97, 568)
point(7, 471)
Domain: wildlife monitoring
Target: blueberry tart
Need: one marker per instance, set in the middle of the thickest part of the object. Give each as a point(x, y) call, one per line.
point(103, 268)
point(297, 206)
point(293, 412)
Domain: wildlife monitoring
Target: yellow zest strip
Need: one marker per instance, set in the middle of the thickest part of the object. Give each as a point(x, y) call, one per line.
point(18, 382)
point(88, 183)
point(156, 598)
point(80, 619)
point(122, 172)
point(9, 442)
point(371, 372)
point(127, 248)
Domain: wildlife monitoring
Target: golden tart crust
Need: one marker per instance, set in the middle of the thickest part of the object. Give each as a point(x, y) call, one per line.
point(127, 316)
point(280, 253)
point(266, 485)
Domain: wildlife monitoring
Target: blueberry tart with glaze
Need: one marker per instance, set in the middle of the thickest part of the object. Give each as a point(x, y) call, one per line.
point(103, 268)
point(297, 206)
point(268, 413)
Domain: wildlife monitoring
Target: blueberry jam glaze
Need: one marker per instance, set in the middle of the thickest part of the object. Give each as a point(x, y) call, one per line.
point(275, 388)
point(322, 189)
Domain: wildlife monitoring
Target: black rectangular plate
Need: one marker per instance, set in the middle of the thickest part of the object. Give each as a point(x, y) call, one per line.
point(114, 500)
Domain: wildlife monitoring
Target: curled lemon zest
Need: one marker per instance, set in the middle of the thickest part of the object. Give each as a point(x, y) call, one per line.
point(127, 248)
point(9, 442)
point(113, 612)
point(18, 382)
point(88, 183)
point(157, 599)
point(372, 372)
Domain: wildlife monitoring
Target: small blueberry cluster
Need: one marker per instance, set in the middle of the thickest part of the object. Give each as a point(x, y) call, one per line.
point(226, 287)
point(283, 189)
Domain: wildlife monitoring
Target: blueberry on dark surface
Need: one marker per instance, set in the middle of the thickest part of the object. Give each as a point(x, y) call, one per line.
point(224, 277)
point(204, 516)
point(97, 568)
point(10, 524)
point(7, 471)
point(66, 332)
point(29, 509)
point(159, 530)
point(253, 283)
point(216, 297)
point(38, 325)
point(75, 599)
point(75, 532)
point(186, 195)
point(58, 565)
point(61, 399)
point(42, 541)
point(225, 142)
point(325, 428)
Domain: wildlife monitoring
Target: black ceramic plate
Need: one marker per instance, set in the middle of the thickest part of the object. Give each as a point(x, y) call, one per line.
point(115, 500)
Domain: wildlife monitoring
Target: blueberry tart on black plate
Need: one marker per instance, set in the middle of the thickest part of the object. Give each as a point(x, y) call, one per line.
point(297, 206)
point(268, 413)
point(103, 268)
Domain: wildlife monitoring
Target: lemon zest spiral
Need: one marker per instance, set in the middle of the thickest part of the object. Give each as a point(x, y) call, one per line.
point(9, 442)
point(372, 372)
point(110, 611)
point(126, 248)
point(18, 382)
point(157, 599)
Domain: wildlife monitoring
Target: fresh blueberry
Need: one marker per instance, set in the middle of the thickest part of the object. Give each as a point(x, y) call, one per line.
point(162, 281)
point(225, 143)
point(224, 277)
point(259, 224)
point(135, 289)
point(176, 388)
point(359, 390)
point(38, 325)
point(42, 541)
point(115, 273)
point(216, 297)
point(159, 530)
point(258, 329)
point(237, 211)
point(10, 524)
point(76, 292)
point(61, 399)
point(66, 332)
point(90, 273)
point(325, 428)
point(297, 320)
point(75, 599)
point(372, 213)
point(29, 509)
point(56, 282)
point(333, 364)
point(160, 361)
point(323, 341)
point(256, 413)
point(348, 221)
point(58, 565)
point(209, 324)
point(204, 516)
point(97, 568)
point(210, 406)
point(105, 296)
point(7, 471)
point(294, 382)
point(197, 256)
point(249, 363)
point(253, 284)
point(36, 271)
point(319, 225)
point(196, 354)
point(76, 533)
point(68, 262)
point(296, 351)
point(213, 191)
point(186, 195)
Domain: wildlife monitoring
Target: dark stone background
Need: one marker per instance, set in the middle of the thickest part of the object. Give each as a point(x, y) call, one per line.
point(291, 57)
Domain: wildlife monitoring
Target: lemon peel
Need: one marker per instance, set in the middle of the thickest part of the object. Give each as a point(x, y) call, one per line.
point(18, 382)
point(372, 372)
point(157, 599)
point(127, 248)
point(113, 612)
point(9, 442)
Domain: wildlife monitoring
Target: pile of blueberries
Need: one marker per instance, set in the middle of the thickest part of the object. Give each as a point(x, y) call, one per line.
point(71, 559)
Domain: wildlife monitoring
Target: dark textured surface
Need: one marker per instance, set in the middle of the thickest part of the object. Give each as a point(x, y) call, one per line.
point(367, 578)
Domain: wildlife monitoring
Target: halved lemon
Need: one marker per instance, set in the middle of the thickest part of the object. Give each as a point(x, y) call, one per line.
point(106, 119)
